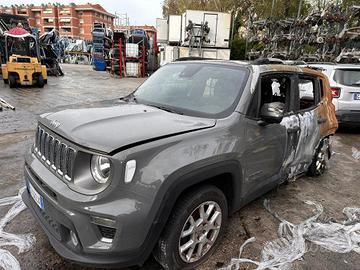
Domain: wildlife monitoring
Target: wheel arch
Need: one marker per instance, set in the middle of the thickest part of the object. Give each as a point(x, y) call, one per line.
point(224, 175)
point(213, 174)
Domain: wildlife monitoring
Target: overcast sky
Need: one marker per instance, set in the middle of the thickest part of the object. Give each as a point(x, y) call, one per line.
point(140, 12)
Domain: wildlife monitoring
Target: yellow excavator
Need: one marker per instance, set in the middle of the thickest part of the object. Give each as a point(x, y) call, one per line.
point(23, 64)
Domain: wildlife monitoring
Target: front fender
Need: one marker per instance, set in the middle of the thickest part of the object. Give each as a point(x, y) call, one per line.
point(180, 181)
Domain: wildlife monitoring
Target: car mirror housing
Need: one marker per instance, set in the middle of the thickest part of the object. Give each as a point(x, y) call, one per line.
point(272, 112)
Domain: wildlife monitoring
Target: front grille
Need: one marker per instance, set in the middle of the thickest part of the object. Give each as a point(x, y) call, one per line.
point(54, 153)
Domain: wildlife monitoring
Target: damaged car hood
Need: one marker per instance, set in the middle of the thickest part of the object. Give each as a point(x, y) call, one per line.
point(116, 127)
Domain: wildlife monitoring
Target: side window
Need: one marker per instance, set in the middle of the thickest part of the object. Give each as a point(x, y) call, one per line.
point(271, 88)
point(308, 92)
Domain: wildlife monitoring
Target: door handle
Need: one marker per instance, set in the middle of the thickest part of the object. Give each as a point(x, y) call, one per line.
point(294, 129)
point(321, 120)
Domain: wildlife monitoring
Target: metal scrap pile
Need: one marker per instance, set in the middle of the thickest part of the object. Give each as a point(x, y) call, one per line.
point(328, 35)
point(75, 51)
point(50, 52)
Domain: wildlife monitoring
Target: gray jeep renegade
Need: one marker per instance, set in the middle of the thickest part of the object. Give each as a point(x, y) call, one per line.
point(160, 170)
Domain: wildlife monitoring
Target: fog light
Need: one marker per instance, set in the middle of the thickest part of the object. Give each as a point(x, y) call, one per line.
point(74, 239)
point(103, 221)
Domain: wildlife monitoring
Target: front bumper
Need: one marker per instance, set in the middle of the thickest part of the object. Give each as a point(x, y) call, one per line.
point(59, 217)
point(348, 117)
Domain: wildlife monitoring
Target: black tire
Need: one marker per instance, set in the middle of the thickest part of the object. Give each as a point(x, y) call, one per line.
point(61, 73)
point(167, 250)
point(12, 80)
point(40, 81)
point(319, 163)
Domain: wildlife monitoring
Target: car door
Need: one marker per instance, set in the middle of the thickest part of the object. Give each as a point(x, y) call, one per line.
point(307, 122)
point(267, 146)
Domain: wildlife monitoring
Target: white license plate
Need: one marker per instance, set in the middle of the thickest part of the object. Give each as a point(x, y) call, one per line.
point(357, 96)
point(36, 196)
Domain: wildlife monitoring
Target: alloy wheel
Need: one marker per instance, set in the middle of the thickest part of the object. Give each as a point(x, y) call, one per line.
point(200, 231)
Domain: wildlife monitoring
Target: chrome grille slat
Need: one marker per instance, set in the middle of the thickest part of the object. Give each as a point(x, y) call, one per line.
point(37, 139)
point(63, 151)
point(42, 145)
point(51, 150)
point(56, 154)
point(46, 148)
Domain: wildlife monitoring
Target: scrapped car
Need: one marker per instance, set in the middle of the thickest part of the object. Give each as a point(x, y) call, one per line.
point(160, 171)
point(345, 86)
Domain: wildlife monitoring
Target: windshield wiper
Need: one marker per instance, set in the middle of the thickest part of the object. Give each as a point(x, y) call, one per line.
point(167, 109)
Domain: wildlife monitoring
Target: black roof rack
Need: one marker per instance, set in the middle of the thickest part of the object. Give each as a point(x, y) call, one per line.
point(315, 68)
point(321, 63)
point(192, 58)
point(267, 61)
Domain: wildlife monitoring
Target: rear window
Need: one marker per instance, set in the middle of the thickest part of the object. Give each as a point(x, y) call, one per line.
point(349, 77)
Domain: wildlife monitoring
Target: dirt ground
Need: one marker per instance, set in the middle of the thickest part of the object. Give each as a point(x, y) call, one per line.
point(81, 86)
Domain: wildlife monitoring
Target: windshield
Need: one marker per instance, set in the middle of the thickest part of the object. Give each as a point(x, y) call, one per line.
point(21, 46)
point(349, 77)
point(198, 89)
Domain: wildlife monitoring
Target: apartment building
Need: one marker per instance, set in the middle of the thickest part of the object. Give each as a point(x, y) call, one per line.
point(72, 20)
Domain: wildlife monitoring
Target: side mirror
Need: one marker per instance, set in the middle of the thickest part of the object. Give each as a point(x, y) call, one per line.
point(272, 112)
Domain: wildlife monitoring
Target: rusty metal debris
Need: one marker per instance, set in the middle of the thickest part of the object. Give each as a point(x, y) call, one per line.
point(332, 34)
point(5, 105)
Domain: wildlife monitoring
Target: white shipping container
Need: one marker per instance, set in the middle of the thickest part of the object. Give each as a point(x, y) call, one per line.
point(132, 50)
point(132, 69)
point(213, 53)
point(162, 30)
point(174, 28)
point(219, 23)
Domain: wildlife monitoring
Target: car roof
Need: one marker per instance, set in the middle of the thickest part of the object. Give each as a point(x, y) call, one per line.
point(334, 66)
point(262, 68)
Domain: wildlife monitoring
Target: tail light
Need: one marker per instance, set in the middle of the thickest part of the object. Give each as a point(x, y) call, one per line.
point(335, 92)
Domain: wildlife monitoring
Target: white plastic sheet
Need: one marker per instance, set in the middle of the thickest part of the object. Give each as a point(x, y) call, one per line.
point(293, 239)
point(23, 242)
point(355, 153)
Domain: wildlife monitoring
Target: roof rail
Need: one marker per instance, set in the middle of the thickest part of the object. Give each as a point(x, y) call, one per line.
point(268, 61)
point(315, 68)
point(321, 63)
point(192, 58)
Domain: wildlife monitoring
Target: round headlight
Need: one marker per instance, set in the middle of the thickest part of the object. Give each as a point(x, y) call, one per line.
point(100, 169)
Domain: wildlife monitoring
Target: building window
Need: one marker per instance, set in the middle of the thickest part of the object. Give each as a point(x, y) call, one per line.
point(48, 20)
point(47, 11)
point(81, 21)
point(65, 20)
point(65, 30)
point(65, 11)
point(82, 31)
point(38, 21)
point(22, 12)
point(80, 12)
